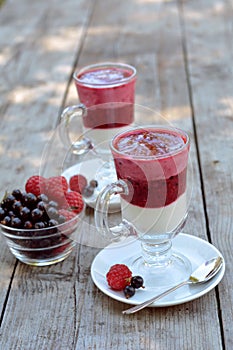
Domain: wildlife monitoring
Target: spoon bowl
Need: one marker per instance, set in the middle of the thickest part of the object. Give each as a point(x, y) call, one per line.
point(206, 271)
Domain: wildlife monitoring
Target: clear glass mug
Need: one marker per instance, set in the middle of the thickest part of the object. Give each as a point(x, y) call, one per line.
point(151, 166)
point(107, 93)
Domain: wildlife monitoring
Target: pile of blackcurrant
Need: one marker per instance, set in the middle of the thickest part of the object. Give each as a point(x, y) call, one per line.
point(136, 283)
point(26, 211)
point(90, 188)
point(34, 220)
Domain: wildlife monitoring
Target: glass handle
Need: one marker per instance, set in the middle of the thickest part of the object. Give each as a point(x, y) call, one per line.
point(114, 233)
point(83, 144)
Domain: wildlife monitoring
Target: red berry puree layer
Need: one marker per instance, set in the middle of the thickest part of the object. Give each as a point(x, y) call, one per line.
point(153, 163)
point(105, 86)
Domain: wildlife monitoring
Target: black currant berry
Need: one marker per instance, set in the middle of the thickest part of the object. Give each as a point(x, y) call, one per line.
point(52, 213)
point(36, 214)
point(16, 222)
point(53, 222)
point(8, 201)
point(2, 213)
point(93, 183)
point(41, 205)
point(129, 291)
point(137, 282)
point(17, 194)
point(39, 225)
point(6, 221)
point(61, 219)
point(30, 200)
point(16, 207)
point(11, 214)
point(25, 213)
point(53, 204)
point(42, 197)
point(88, 191)
point(28, 225)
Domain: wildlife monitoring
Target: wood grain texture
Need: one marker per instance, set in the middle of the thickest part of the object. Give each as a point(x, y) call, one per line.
point(182, 74)
point(208, 26)
point(36, 63)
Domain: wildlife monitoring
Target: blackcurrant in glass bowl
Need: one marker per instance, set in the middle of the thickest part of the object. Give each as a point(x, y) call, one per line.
point(38, 234)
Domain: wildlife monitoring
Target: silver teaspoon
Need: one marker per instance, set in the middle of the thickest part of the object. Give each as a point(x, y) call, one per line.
point(202, 274)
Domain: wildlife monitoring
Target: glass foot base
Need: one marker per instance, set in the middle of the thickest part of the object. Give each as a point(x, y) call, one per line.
point(160, 277)
point(37, 259)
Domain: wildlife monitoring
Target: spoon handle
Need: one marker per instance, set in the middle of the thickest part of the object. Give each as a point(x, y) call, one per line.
point(150, 301)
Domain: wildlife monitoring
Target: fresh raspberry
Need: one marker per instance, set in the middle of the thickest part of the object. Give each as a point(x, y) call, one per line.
point(67, 214)
point(56, 189)
point(74, 201)
point(119, 276)
point(36, 184)
point(77, 183)
point(58, 182)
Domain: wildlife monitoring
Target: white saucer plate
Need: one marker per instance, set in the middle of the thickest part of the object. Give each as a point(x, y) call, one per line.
point(90, 169)
point(195, 249)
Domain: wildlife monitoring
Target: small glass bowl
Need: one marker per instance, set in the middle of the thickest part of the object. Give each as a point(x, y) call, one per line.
point(46, 246)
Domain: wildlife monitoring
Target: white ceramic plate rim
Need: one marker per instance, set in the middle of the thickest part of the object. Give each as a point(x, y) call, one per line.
point(197, 250)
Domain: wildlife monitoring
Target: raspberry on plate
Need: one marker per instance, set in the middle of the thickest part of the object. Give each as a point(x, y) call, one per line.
point(36, 184)
point(77, 183)
point(74, 201)
point(119, 276)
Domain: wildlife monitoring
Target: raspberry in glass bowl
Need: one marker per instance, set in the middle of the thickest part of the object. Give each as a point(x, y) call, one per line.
point(38, 229)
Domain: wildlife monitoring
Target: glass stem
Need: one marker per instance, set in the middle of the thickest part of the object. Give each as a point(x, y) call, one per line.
point(158, 254)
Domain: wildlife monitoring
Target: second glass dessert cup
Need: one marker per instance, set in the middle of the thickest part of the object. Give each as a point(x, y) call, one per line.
point(105, 120)
point(106, 91)
point(151, 165)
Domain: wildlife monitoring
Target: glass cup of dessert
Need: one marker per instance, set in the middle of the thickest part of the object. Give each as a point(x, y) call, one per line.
point(151, 166)
point(106, 92)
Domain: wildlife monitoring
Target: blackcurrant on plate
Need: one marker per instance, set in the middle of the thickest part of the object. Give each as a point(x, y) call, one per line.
point(195, 249)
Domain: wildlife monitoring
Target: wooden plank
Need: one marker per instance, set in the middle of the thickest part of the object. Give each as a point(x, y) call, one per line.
point(209, 31)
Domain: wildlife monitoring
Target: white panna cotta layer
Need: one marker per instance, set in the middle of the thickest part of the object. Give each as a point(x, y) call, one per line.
point(151, 222)
point(102, 137)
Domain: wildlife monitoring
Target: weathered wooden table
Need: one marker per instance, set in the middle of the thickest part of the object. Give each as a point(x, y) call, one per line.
point(183, 52)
